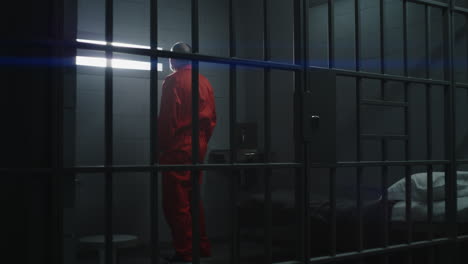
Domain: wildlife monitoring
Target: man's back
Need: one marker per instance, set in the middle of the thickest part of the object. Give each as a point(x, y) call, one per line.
point(175, 120)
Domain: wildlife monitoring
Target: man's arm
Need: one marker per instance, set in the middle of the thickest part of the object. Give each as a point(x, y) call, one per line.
point(213, 114)
point(168, 113)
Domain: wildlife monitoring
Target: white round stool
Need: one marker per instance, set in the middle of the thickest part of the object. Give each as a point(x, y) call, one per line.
point(119, 241)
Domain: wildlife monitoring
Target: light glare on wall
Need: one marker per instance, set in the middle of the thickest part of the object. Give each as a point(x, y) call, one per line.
point(115, 63)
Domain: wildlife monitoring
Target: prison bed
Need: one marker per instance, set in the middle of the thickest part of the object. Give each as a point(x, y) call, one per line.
point(419, 211)
point(283, 208)
point(347, 215)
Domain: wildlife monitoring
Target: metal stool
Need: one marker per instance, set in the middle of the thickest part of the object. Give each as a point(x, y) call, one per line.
point(119, 241)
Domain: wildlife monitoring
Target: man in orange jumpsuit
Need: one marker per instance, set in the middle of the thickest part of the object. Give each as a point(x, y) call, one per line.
point(175, 141)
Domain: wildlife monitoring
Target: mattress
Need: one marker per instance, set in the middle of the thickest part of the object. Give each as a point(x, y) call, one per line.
point(282, 199)
point(419, 211)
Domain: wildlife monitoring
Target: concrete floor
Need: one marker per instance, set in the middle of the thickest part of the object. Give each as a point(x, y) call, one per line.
point(251, 253)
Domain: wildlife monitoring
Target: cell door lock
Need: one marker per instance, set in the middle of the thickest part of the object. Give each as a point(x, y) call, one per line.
point(314, 121)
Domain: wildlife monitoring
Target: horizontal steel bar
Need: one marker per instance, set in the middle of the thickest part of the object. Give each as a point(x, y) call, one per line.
point(149, 168)
point(357, 164)
point(383, 103)
point(194, 167)
point(191, 56)
point(28, 170)
point(380, 251)
point(389, 77)
point(461, 10)
point(379, 137)
point(430, 2)
point(461, 85)
point(462, 161)
point(226, 166)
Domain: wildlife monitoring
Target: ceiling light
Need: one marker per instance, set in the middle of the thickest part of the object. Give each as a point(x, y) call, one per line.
point(115, 44)
point(115, 63)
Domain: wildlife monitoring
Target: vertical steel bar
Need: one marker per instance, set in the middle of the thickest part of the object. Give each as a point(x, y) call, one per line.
point(428, 87)
point(299, 144)
point(429, 127)
point(305, 189)
point(447, 131)
point(407, 132)
point(409, 224)
point(304, 85)
point(234, 173)
point(331, 33)
point(56, 179)
point(450, 176)
point(357, 33)
point(360, 244)
point(451, 180)
point(266, 32)
point(332, 211)
point(57, 193)
point(382, 37)
point(428, 35)
point(305, 40)
point(405, 38)
point(384, 140)
point(408, 204)
point(357, 39)
point(384, 187)
point(385, 214)
point(109, 28)
point(195, 205)
point(267, 134)
point(232, 29)
point(430, 255)
point(382, 47)
point(268, 172)
point(448, 55)
point(268, 218)
point(357, 26)
point(235, 243)
point(430, 171)
point(429, 122)
point(154, 148)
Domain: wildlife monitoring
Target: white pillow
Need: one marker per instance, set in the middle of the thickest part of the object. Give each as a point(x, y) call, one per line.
point(419, 187)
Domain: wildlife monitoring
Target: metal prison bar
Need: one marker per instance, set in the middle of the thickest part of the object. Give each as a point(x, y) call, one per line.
point(108, 130)
point(300, 66)
point(235, 241)
point(451, 182)
point(267, 135)
point(195, 199)
point(383, 141)
point(300, 82)
point(154, 146)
